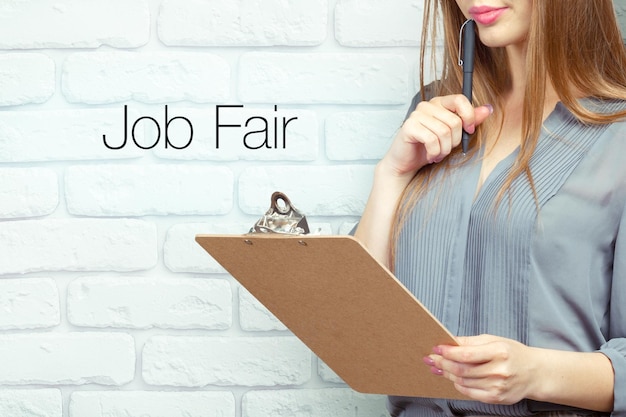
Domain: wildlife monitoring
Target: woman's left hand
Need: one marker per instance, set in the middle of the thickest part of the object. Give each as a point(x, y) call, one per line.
point(487, 368)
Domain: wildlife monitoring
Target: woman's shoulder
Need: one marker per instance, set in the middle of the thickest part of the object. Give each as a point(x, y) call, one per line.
point(604, 106)
point(589, 112)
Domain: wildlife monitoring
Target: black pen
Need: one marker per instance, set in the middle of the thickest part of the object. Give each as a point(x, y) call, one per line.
point(469, 45)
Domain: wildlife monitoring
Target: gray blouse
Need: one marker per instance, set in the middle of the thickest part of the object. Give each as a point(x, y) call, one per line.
point(553, 278)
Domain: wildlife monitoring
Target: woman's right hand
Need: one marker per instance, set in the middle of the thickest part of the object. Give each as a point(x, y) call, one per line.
point(427, 136)
point(431, 132)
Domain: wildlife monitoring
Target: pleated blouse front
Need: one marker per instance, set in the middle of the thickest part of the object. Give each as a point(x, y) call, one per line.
point(546, 271)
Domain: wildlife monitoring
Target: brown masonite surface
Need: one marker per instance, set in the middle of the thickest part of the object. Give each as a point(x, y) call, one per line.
point(344, 305)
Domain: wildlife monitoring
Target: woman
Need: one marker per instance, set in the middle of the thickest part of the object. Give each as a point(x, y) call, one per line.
point(518, 247)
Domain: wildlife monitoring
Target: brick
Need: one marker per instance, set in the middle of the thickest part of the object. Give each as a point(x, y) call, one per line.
point(430, 74)
point(334, 78)
point(29, 304)
point(201, 361)
point(364, 135)
point(265, 134)
point(25, 77)
point(330, 402)
point(151, 404)
point(62, 135)
point(371, 23)
point(347, 227)
point(142, 303)
point(67, 358)
point(254, 317)
point(320, 228)
point(243, 23)
point(109, 77)
point(327, 374)
point(139, 190)
point(181, 252)
point(74, 24)
point(27, 192)
point(314, 190)
point(31, 403)
point(77, 245)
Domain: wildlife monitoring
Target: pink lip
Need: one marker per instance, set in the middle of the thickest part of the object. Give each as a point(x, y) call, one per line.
point(486, 15)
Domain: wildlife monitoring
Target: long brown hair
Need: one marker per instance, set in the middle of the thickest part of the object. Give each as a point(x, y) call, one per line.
point(576, 44)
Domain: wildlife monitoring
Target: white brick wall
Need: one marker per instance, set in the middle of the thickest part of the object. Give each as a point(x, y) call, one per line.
point(338, 78)
point(77, 245)
point(63, 135)
point(152, 404)
point(323, 190)
point(67, 358)
point(31, 403)
point(200, 361)
point(160, 77)
point(377, 23)
point(141, 190)
point(29, 303)
point(108, 307)
point(361, 135)
point(26, 78)
point(28, 192)
point(74, 24)
point(139, 303)
point(327, 402)
point(231, 23)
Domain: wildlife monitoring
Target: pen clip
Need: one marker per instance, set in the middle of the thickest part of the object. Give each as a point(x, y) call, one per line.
point(461, 42)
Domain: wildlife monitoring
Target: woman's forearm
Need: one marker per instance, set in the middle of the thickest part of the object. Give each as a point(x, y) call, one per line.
point(375, 226)
point(583, 380)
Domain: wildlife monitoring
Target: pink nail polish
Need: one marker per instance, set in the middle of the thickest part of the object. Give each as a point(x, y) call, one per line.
point(429, 361)
point(436, 371)
point(438, 350)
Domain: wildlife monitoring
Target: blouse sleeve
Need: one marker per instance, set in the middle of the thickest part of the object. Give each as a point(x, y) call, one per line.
point(615, 348)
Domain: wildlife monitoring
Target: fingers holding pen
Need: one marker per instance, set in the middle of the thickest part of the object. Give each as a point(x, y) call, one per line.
point(431, 132)
point(459, 106)
point(470, 116)
point(439, 123)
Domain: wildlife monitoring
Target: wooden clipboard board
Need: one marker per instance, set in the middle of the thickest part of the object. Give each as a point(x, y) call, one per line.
point(344, 305)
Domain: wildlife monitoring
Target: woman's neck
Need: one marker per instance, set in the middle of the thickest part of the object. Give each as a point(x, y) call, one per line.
point(517, 57)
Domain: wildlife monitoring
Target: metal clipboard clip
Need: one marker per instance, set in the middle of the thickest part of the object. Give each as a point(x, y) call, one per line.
point(282, 218)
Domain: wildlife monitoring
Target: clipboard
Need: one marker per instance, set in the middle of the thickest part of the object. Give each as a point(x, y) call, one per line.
point(344, 305)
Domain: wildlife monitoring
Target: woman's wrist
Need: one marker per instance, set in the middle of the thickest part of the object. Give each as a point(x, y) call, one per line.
point(578, 379)
point(387, 174)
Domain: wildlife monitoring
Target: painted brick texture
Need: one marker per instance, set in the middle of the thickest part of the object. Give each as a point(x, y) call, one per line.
point(127, 127)
point(238, 23)
point(74, 24)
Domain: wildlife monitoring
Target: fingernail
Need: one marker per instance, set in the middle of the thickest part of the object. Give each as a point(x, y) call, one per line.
point(429, 361)
point(470, 129)
point(438, 350)
point(490, 107)
point(436, 371)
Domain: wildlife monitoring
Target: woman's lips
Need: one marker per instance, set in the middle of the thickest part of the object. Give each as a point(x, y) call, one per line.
point(485, 15)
